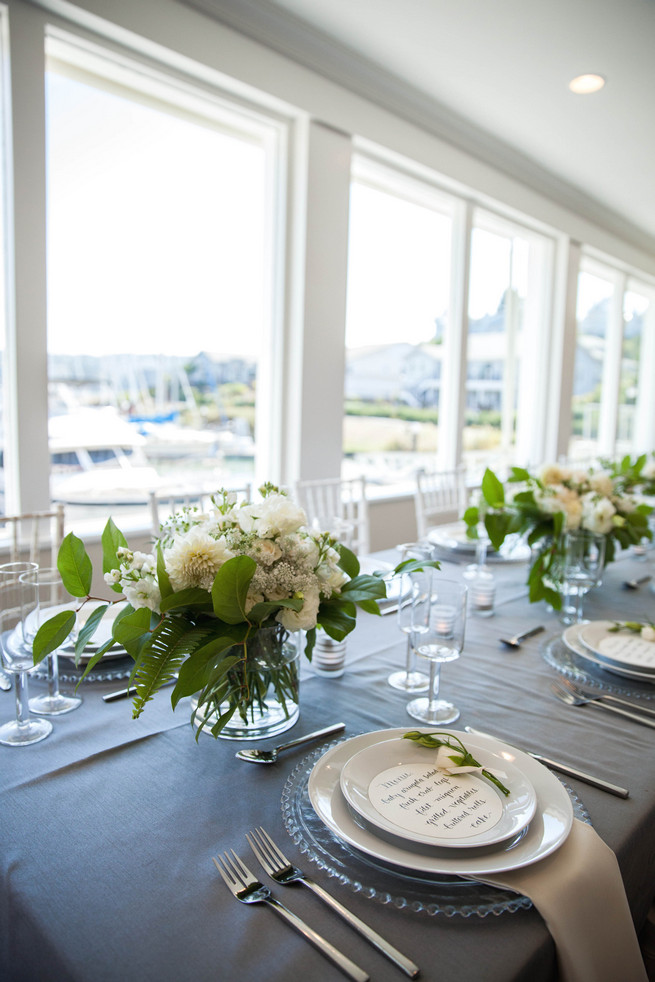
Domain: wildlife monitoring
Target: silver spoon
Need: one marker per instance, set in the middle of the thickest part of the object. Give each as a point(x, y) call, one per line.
point(635, 584)
point(515, 642)
point(256, 756)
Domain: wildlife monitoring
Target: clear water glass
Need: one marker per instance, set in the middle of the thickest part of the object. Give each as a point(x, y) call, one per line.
point(443, 641)
point(583, 560)
point(413, 608)
point(18, 601)
point(51, 596)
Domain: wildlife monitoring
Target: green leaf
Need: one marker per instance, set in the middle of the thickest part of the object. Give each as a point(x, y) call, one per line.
point(89, 628)
point(337, 620)
point(364, 587)
point(519, 474)
point(191, 597)
point(112, 540)
point(230, 589)
point(472, 517)
point(414, 565)
point(75, 566)
point(492, 490)
point(163, 579)
point(52, 634)
point(259, 612)
point(497, 526)
point(348, 561)
point(130, 628)
point(193, 674)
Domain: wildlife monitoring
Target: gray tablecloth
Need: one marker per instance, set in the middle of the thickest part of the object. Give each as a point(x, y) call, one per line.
point(108, 826)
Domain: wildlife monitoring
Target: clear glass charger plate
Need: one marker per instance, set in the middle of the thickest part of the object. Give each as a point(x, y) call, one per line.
point(559, 656)
point(111, 670)
point(404, 889)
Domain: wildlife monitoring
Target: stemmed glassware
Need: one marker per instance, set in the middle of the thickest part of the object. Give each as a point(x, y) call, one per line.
point(50, 593)
point(18, 600)
point(583, 559)
point(443, 641)
point(413, 608)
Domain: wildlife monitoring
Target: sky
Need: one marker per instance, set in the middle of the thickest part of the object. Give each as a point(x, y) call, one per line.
point(156, 239)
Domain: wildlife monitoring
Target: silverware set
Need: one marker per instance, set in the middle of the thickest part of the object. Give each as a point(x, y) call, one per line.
point(566, 692)
point(247, 889)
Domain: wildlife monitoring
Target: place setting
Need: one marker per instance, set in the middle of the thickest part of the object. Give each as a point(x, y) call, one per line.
point(608, 657)
point(458, 824)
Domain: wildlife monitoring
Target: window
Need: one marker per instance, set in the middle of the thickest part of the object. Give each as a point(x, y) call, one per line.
point(637, 308)
point(159, 296)
point(398, 307)
point(507, 317)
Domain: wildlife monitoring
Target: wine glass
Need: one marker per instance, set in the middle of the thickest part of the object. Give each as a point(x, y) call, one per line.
point(18, 600)
point(51, 593)
point(412, 621)
point(442, 642)
point(583, 559)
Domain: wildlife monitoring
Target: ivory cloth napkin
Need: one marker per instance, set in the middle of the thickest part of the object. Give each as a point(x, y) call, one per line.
point(579, 892)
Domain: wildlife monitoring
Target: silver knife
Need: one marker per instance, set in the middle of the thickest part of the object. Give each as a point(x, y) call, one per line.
point(124, 693)
point(556, 765)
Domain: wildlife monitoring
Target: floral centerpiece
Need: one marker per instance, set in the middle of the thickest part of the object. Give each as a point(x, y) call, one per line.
point(544, 505)
point(635, 475)
point(220, 592)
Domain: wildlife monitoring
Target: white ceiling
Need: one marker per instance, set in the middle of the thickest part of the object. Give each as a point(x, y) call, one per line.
point(503, 66)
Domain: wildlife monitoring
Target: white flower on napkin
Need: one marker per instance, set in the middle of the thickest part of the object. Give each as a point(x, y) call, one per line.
point(446, 762)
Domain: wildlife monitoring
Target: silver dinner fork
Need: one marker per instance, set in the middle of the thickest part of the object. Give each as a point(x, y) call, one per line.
point(603, 697)
point(280, 869)
point(565, 696)
point(248, 890)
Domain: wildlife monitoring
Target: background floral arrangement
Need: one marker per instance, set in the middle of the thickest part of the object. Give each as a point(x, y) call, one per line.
point(554, 500)
point(196, 605)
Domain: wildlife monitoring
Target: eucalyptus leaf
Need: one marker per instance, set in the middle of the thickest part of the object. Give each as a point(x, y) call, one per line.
point(52, 634)
point(75, 566)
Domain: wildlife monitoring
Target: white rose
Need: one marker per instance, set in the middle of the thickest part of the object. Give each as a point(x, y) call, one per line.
point(305, 618)
point(553, 474)
point(265, 551)
point(331, 578)
point(602, 483)
point(597, 514)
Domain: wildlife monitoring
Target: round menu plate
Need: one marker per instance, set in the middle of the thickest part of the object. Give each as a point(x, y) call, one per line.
point(393, 785)
point(571, 639)
point(623, 649)
point(548, 829)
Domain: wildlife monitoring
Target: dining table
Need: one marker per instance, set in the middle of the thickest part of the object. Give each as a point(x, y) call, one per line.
point(108, 827)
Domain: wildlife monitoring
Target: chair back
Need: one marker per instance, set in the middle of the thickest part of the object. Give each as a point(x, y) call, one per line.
point(163, 505)
point(335, 500)
point(33, 537)
point(440, 497)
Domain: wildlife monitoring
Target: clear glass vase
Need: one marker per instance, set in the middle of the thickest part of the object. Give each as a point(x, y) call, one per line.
point(264, 687)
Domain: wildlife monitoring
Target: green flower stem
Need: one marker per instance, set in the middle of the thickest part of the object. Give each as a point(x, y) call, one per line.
point(463, 757)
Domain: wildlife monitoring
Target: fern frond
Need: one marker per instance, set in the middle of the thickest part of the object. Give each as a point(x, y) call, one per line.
point(170, 644)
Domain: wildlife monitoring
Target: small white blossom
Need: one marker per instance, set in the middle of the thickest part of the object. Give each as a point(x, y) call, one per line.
point(648, 632)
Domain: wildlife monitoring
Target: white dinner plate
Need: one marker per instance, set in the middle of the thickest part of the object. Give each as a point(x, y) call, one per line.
point(101, 636)
point(453, 538)
point(546, 832)
point(624, 649)
point(573, 643)
point(367, 772)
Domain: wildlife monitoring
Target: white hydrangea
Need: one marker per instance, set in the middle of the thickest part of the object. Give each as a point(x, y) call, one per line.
point(143, 593)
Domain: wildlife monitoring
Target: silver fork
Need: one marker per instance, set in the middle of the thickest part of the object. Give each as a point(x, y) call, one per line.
point(280, 869)
point(602, 697)
point(248, 890)
point(565, 696)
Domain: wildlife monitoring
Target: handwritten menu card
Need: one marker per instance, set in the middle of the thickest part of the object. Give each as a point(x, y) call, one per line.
point(420, 798)
point(630, 649)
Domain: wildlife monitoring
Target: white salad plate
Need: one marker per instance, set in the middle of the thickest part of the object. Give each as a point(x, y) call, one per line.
point(366, 771)
point(571, 639)
point(546, 832)
point(623, 649)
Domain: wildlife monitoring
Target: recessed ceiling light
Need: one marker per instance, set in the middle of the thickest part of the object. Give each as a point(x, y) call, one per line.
point(585, 84)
